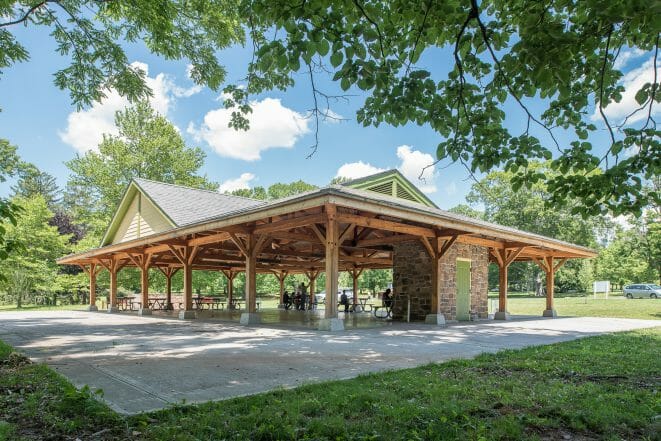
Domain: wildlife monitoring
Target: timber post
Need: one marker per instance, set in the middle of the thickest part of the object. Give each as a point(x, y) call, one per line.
point(331, 322)
point(113, 265)
point(186, 256)
point(142, 261)
point(230, 274)
point(504, 257)
point(250, 248)
point(168, 272)
point(281, 276)
point(92, 272)
point(550, 268)
point(312, 277)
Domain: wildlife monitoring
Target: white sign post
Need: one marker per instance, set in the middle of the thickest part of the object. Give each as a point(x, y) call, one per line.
point(601, 286)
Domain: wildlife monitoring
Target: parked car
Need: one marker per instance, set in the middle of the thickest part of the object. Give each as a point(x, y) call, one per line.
point(643, 291)
point(321, 296)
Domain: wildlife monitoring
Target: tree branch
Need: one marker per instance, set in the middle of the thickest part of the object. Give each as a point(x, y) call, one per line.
point(26, 15)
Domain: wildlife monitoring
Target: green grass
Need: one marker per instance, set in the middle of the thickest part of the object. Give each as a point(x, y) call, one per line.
point(31, 307)
point(615, 306)
point(595, 388)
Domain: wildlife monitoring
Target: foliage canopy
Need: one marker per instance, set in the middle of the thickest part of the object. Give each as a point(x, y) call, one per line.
point(504, 53)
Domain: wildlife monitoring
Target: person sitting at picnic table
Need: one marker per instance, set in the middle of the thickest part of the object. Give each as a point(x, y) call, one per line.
point(304, 296)
point(387, 298)
point(344, 301)
point(286, 300)
point(297, 300)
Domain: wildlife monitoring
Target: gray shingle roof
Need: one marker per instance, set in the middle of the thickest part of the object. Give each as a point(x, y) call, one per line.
point(185, 205)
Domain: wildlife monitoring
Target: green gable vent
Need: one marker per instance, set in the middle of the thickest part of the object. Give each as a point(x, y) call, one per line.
point(403, 193)
point(385, 188)
point(391, 183)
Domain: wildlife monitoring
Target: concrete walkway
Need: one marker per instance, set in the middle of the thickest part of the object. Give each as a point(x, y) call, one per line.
point(147, 363)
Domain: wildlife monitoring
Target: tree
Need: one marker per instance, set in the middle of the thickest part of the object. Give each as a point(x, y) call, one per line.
point(555, 62)
point(148, 146)
point(32, 268)
point(32, 182)
point(525, 209)
point(9, 211)
point(276, 191)
point(468, 211)
point(92, 33)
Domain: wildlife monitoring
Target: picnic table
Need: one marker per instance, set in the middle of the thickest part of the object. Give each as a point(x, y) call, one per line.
point(211, 303)
point(157, 302)
point(363, 303)
point(126, 303)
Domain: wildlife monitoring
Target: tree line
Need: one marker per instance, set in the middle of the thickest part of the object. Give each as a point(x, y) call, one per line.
point(51, 221)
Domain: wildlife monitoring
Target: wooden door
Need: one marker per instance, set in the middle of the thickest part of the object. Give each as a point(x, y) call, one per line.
point(463, 290)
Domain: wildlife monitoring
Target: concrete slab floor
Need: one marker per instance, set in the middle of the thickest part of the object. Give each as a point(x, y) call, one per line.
point(148, 363)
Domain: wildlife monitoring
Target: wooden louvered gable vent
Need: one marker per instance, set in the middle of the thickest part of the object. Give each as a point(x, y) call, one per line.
point(403, 193)
point(385, 188)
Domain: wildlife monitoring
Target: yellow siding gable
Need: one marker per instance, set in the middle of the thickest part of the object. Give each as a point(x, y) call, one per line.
point(141, 219)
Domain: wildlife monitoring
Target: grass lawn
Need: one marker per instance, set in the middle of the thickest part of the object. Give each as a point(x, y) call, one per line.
point(615, 306)
point(602, 387)
point(30, 307)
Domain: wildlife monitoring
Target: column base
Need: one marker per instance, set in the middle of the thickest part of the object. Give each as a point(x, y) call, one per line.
point(92, 308)
point(331, 324)
point(113, 309)
point(550, 313)
point(144, 311)
point(501, 315)
point(187, 314)
point(435, 319)
point(250, 318)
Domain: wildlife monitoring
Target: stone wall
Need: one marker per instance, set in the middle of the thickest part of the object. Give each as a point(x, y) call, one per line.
point(412, 276)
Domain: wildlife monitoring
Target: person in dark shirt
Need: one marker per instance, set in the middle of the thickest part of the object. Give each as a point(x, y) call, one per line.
point(344, 301)
point(286, 300)
point(387, 298)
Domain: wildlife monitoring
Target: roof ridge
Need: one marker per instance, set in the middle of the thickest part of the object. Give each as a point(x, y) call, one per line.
point(215, 192)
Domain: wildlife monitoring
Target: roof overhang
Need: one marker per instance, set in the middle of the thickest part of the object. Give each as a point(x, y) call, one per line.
point(423, 220)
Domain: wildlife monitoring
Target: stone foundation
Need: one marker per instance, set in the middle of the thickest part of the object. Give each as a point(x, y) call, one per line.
point(412, 276)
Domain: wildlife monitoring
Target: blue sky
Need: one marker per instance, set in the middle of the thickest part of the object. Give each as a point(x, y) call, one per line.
point(40, 120)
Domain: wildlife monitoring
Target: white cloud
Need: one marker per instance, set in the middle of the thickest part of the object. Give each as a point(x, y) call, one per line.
point(242, 182)
point(85, 128)
point(626, 56)
point(355, 170)
point(451, 188)
point(272, 125)
point(632, 81)
point(331, 117)
point(413, 163)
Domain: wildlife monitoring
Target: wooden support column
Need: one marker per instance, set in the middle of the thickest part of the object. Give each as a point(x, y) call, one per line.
point(92, 271)
point(550, 269)
point(113, 265)
point(355, 274)
point(312, 277)
point(143, 261)
point(186, 255)
point(230, 286)
point(250, 247)
point(281, 276)
point(168, 272)
point(504, 257)
point(332, 261)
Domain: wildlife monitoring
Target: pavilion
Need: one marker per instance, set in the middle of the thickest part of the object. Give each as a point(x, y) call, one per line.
point(439, 259)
